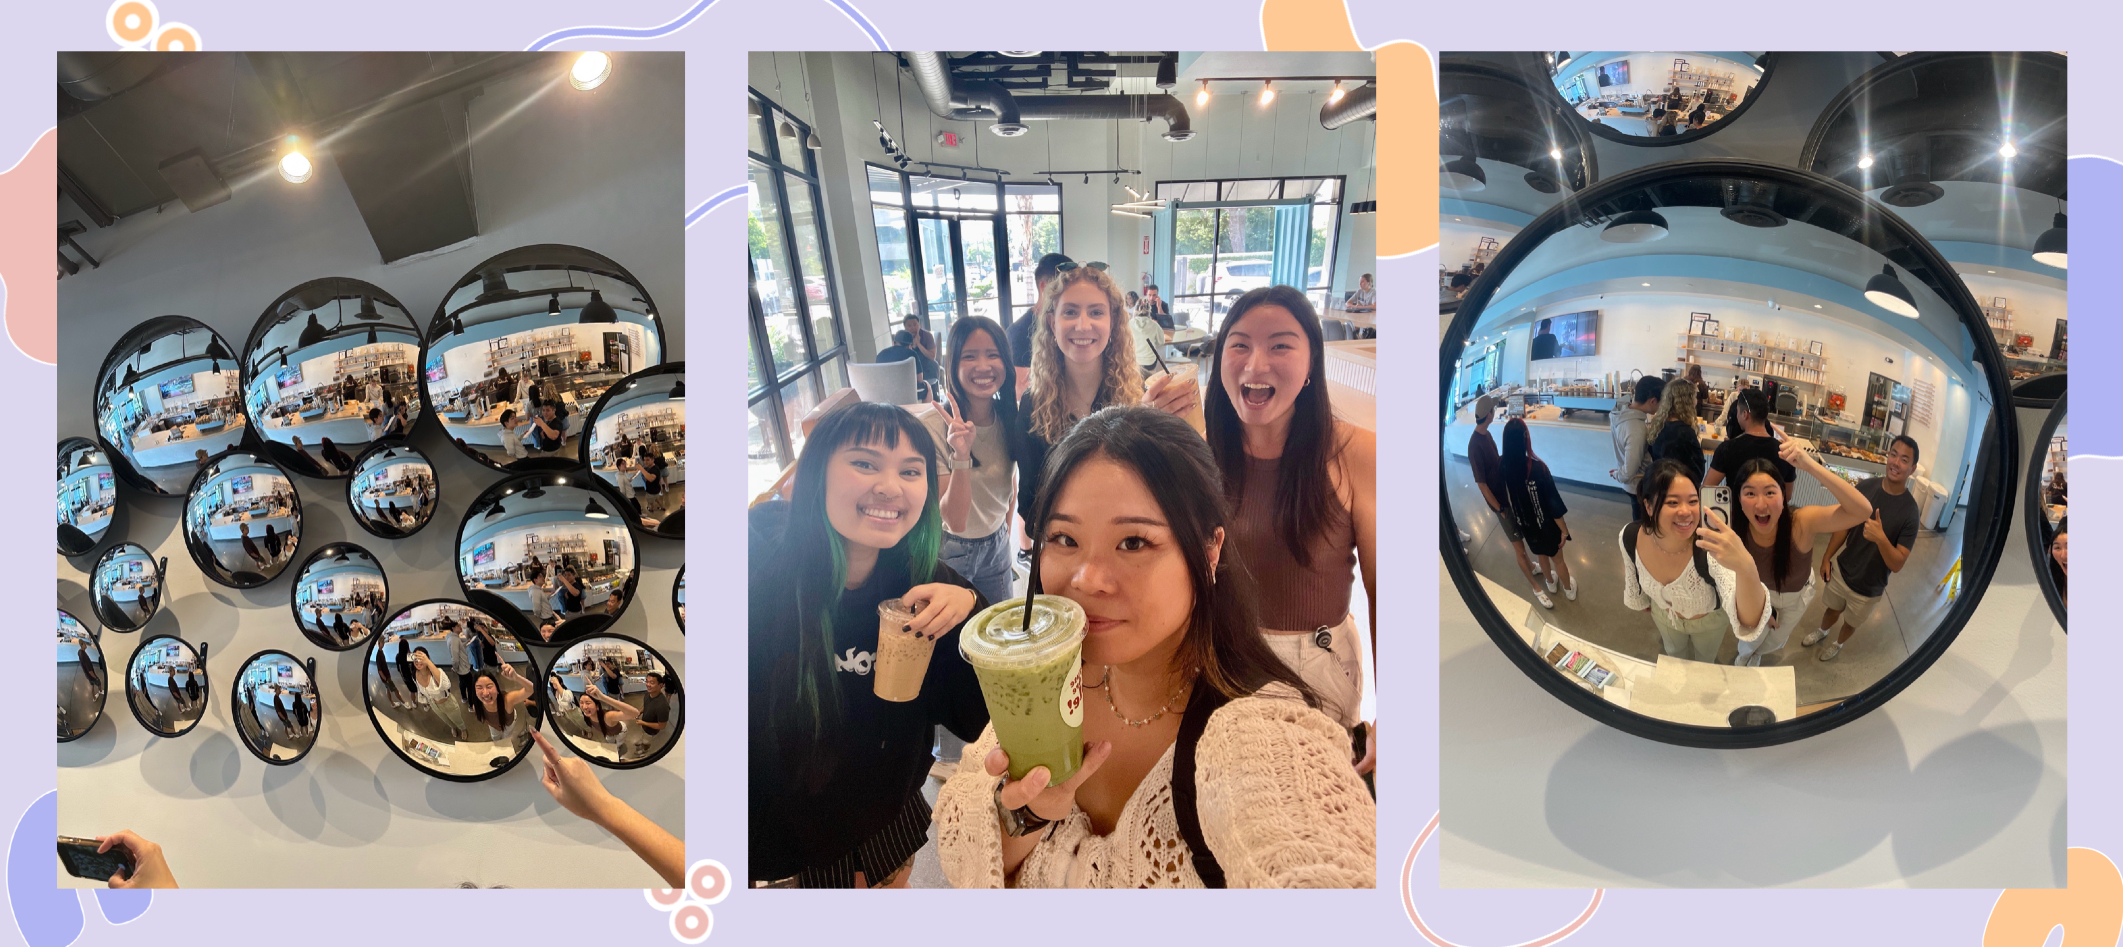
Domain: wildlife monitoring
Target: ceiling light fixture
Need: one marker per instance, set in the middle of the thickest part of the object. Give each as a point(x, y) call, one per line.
point(1336, 95)
point(1637, 226)
point(1887, 292)
point(2006, 150)
point(597, 310)
point(1267, 92)
point(1201, 96)
point(1463, 174)
point(1865, 161)
point(1556, 153)
point(591, 69)
point(295, 167)
point(1130, 213)
point(552, 308)
point(496, 511)
point(2049, 247)
point(678, 391)
point(368, 309)
point(595, 512)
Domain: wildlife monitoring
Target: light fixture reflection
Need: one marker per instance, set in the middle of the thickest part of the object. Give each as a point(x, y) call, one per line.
point(1267, 92)
point(1201, 98)
point(2006, 150)
point(1336, 95)
point(1865, 160)
point(1887, 292)
point(591, 69)
point(2049, 247)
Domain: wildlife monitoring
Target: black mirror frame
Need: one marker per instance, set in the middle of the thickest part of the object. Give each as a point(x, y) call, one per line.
point(334, 550)
point(512, 617)
point(1995, 476)
point(678, 724)
point(103, 667)
point(535, 706)
point(1580, 144)
point(281, 454)
point(121, 350)
point(589, 423)
point(309, 667)
point(205, 563)
point(69, 445)
point(162, 569)
point(353, 484)
point(2036, 524)
point(1768, 63)
point(678, 603)
point(524, 257)
point(206, 691)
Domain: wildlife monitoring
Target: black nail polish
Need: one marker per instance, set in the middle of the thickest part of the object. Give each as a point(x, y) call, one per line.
point(906, 627)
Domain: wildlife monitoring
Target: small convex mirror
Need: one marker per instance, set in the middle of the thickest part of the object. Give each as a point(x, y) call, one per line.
point(83, 682)
point(126, 587)
point(166, 685)
point(615, 701)
point(276, 707)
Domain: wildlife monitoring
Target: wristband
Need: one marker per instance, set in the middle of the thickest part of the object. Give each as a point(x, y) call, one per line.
point(1018, 822)
point(961, 463)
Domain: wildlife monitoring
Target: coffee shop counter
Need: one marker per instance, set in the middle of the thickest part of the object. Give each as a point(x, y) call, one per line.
point(1577, 448)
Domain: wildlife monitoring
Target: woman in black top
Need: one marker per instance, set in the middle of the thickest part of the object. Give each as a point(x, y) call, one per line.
point(1538, 510)
point(836, 773)
point(1674, 426)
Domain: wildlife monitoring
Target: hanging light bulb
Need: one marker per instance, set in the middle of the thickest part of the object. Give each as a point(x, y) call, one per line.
point(1463, 174)
point(1201, 96)
point(591, 69)
point(1267, 92)
point(1336, 95)
point(295, 167)
point(752, 109)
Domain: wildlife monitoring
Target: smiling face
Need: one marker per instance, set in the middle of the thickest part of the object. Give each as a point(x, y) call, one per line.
point(1109, 550)
point(485, 690)
point(588, 706)
point(874, 493)
point(1681, 509)
point(2058, 547)
point(1762, 501)
point(1083, 322)
point(1266, 362)
point(980, 366)
point(1901, 462)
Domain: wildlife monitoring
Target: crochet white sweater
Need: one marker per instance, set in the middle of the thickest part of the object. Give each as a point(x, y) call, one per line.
point(1279, 802)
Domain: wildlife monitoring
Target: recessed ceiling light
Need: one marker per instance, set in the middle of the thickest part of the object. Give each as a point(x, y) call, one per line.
point(2007, 150)
point(295, 167)
point(1990, 271)
point(1647, 284)
point(591, 69)
point(1816, 305)
point(1865, 160)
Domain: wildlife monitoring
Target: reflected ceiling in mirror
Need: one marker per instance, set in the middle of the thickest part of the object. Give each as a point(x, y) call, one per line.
point(525, 343)
point(88, 496)
point(242, 520)
point(328, 370)
point(392, 492)
point(548, 555)
point(276, 708)
point(166, 399)
point(83, 680)
point(339, 597)
point(615, 701)
point(126, 587)
point(166, 685)
point(637, 445)
point(450, 691)
point(1655, 97)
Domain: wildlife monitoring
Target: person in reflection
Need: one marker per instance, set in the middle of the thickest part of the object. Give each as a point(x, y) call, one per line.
point(1135, 530)
point(89, 671)
point(1688, 569)
point(272, 544)
point(511, 438)
point(655, 711)
point(1545, 343)
point(306, 463)
point(374, 422)
point(192, 691)
point(1538, 508)
point(1860, 559)
point(431, 689)
point(2059, 568)
point(1366, 298)
point(1302, 489)
point(596, 716)
point(1780, 538)
point(390, 683)
point(339, 459)
point(549, 427)
point(280, 712)
point(1628, 425)
point(492, 707)
point(302, 712)
point(1487, 466)
point(1753, 440)
point(1674, 436)
point(250, 546)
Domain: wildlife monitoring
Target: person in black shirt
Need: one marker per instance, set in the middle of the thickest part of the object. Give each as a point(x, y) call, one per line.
point(835, 772)
point(903, 348)
point(1544, 343)
point(1156, 308)
point(1860, 560)
point(1750, 413)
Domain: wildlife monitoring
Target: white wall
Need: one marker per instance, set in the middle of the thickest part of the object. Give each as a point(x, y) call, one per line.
point(2036, 309)
point(600, 171)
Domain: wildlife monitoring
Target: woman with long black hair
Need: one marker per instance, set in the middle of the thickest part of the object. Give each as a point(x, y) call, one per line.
point(1302, 488)
point(977, 499)
point(836, 773)
point(1537, 508)
point(1780, 537)
point(1136, 531)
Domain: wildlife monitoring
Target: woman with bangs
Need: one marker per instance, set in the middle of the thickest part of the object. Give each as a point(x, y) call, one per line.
point(1083, 360)
point(1302, 488)
point(836, 773)
point(1780, 538)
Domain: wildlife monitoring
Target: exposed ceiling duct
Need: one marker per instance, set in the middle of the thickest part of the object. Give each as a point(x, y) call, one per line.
point(982, 100)
point(1355, 105)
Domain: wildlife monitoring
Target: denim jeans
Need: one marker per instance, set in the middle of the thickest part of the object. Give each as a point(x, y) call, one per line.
point(984, 562)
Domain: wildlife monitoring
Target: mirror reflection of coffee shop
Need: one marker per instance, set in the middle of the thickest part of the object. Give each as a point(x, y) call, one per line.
point(889, 186)
point(1655, 94)
point(1855, 306)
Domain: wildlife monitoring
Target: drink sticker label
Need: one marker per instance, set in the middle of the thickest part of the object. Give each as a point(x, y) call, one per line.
point(1072, 695)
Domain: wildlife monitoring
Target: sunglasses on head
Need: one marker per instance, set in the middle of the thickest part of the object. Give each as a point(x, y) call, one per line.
point(1066, 267)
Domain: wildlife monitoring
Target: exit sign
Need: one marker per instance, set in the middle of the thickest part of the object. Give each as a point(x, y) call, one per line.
point(947, 139)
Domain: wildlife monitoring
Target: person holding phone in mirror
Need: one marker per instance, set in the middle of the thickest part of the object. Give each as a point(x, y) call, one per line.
point(1860, 560)
point(1685, 566)
point(1780, 537)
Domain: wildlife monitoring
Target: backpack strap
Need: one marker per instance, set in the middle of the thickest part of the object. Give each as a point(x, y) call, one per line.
point(1701, 558)
point(1205, 703)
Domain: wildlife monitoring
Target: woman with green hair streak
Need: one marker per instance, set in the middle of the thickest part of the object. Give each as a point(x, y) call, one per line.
point(836, 773)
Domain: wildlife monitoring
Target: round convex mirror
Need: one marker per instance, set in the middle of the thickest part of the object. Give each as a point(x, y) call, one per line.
point(392, 491)
point(2048, 511)
point(525, 343)
point(83, 681)
point(1801, 364)
point(450, 691)
point(1654, 98)
point(615, 701)
point(339, 597)
point(275, 706)
point(167, 399)
point(329, 370)
point(242, 520)
point(126, 587)
point(678, 598)
point(166, 685)
point(88, 496)
point(548, 554)
point(637, 445)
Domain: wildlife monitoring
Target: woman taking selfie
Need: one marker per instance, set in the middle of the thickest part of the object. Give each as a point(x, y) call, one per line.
point(1689, 570)
point(1301, 486)
point(1780, 536)
point(836, 773)
point(1134, 530)
point(976, 503)
point(1083, 360)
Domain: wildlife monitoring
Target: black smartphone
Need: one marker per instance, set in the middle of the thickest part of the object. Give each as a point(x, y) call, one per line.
point(81, 859)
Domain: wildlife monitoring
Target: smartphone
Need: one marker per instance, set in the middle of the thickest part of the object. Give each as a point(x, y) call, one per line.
point(1719, 498)
point(80, 858)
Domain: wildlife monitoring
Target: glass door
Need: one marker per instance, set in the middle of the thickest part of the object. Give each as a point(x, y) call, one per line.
point(961, 276)
point(940, 291)
point(976, 241)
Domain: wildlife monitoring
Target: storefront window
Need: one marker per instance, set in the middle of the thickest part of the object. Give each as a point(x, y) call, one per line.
point(796, 352)
point(1218, 253)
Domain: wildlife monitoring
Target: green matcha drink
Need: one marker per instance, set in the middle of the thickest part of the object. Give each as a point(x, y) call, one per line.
point(1033, 681)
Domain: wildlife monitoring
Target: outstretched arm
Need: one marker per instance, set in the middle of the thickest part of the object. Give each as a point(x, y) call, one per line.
point(572, 784)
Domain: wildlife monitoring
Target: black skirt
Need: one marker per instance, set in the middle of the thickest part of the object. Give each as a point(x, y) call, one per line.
point(880, 855)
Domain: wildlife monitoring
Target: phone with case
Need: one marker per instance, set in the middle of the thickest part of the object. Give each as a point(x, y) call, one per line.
point(80, 858)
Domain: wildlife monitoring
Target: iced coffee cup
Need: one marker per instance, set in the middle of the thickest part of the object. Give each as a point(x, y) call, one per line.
point(1188, 374)
point(902, 655)
point(1032, 677)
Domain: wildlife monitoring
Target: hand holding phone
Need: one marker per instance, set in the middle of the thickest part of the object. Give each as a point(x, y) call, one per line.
point(82, 859)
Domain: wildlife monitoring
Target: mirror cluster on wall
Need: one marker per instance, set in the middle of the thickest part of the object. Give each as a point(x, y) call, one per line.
point(330, 369)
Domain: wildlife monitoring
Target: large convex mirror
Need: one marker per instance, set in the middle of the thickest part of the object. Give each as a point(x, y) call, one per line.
point(549, 554)
point(330, 369)
point(637, 445)
point(242, 519)
point(167, 399)
point(339, 597)
point(1655, 97)
point(392, 493)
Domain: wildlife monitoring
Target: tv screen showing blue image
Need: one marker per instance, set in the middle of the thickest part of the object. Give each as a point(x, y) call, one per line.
point(483, 554)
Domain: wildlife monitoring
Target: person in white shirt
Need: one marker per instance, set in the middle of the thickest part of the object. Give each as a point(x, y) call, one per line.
point(1365, 300)
point(1692, 602)
point(511, 440)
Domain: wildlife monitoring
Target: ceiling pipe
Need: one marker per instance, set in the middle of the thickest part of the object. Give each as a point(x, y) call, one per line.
point(973, 101)
point(1356, 105)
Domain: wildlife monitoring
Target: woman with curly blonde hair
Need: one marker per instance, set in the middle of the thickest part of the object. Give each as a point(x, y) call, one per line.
point(1083, 360)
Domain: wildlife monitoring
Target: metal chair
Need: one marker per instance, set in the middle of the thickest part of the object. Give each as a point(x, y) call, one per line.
point(885, 382)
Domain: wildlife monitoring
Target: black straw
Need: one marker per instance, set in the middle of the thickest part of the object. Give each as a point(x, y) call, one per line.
point(1031, 587)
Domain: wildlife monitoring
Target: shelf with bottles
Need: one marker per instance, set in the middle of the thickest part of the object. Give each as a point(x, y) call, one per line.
point(1747, 358)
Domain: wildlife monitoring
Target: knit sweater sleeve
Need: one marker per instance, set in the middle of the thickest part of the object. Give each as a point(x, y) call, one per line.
point(1281, 804)
point(968, 838)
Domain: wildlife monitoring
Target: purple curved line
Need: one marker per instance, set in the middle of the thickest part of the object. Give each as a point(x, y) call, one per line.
point(723, 197)
point(876, 39)
point(1416, 917)
point(622, 32)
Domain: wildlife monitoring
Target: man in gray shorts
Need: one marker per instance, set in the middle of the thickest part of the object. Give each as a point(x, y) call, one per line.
point(1489, 477)
point(1859, 561)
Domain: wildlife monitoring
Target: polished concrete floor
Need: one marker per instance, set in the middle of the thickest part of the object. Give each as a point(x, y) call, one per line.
point(1901, 622)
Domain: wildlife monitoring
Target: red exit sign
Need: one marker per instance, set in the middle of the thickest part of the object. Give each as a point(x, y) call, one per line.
point(947, 139)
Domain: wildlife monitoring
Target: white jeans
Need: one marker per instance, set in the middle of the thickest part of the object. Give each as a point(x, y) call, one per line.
point(1785, 609)
point(1333, 672)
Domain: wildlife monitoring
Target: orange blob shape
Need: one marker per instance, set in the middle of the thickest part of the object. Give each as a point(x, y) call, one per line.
point(2091, 908)
point(143, 21)
point(29, 194)
point(177, 38)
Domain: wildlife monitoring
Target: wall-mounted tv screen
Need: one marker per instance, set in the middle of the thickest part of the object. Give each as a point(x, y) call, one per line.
point(240, 485)
point(290, 376)
point(437, 371)
point(176, 387)
point(1573, 335)
point(1615, 73)
point(324, 587)
point(483, 554)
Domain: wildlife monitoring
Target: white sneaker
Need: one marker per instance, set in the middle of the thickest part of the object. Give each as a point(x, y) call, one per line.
point(1536, 567)
point(1829, 652)
point(1545, 601)
point(1813, 638)
point(1571, 593)
point(1548, 579)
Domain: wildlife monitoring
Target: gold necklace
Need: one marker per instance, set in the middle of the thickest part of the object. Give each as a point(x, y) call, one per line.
point(1107, 686)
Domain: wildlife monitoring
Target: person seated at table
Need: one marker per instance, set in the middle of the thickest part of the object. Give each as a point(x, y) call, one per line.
point(1458, 284)
point(374, 422)
point(1156, 308)
point(1365, 300)
point(902, 349)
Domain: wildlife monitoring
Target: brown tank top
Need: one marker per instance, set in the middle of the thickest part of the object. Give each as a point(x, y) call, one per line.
point(1293, 597)
point(1796, 574)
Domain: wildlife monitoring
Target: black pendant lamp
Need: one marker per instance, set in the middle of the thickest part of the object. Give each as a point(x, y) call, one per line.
point(1637, 226)
point(1912, 190)
point(2049, 247)
point(1541, 182)
point(1887, 292)
point(456, 325)
point(1463, 174)
point(534, 493)
point(552, 308)
point(132, 377)
point(368, 309)
point(595, 512)
point(597, 310)
point(214, 349)
point(496, 511)
point(372, 335)
point(678, 391)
